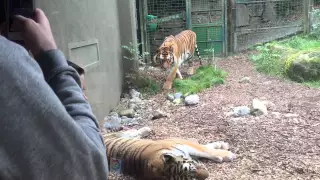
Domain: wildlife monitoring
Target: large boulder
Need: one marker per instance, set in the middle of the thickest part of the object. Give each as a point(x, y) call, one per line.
point(304, 66)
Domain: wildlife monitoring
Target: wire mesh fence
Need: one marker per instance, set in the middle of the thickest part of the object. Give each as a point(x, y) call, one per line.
point(315, 19)
point(207, 18)
point(266, 20)
point(249, 21)
point(164, 18)
point(316, 4)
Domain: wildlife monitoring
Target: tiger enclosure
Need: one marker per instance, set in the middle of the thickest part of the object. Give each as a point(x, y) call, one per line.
point(257, 89)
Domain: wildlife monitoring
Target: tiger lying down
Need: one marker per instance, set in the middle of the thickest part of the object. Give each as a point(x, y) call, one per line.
point(168, 159)
point(175, 50)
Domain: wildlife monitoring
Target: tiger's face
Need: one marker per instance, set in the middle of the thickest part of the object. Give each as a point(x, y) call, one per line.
point(179, 168)
point(166, 57)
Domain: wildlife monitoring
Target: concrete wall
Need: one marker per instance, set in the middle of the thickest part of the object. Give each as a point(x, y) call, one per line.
point(88, 33)
point(127, 8)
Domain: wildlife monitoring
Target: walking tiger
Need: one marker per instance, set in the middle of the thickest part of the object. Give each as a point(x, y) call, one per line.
point(175, 50)
point(168, 159)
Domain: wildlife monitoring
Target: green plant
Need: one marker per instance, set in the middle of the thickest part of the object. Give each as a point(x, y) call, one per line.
point(212, 60)
point(133, 49)
point(205, 77)
point(268, 61)
point(142, 82)
point(276, 58)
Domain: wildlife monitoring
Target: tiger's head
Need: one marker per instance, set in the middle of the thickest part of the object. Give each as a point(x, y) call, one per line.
point(180, 168)
point(165, 56)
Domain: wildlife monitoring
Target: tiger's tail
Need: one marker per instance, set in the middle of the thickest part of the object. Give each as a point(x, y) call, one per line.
point(198, 54)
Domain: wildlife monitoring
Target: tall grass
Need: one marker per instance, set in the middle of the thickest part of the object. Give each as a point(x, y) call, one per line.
point(205, 77)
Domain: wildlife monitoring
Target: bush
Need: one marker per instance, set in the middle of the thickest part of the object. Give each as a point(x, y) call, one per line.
point(297, 58)
point(268, 60)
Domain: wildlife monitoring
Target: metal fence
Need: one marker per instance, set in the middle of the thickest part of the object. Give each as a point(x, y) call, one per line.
point(164, 18)
point(161, 18)
point(209, 23)
point(315, 17)
point(223, 25)
point(316, 4)
point(265, 20)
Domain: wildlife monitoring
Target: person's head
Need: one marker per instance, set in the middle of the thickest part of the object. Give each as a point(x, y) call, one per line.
point(81, 73)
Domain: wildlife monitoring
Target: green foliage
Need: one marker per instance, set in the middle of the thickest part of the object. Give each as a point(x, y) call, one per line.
point(205, 77)
point(268, 61)
point(133, 49)
point(314, 84)
point(138, 79)
point(276, 58)
point(142, 82)
point(301, 42)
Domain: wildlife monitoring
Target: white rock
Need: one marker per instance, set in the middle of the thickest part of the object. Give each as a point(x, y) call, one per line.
point(158, 114)
point(133, 93)
point(258, 107)
point(291, 115)
point(192, 99)
point(241, 111)
point(127, 112)
point(136, 100)
point(244, 80)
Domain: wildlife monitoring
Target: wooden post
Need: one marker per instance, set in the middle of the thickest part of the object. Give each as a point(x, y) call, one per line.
point(145, 33)
point(188, 15)
point(307, 7)
point(231, 24)
point(142, 28)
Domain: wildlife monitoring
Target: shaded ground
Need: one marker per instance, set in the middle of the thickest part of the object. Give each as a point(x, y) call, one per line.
point(276, 146)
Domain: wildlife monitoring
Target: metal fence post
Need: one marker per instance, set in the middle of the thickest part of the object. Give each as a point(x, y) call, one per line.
point(188, 14)
point(231, 24)
point(307, 8)
point(225, 27)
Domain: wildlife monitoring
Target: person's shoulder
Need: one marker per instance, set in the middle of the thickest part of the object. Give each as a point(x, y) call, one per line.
point(7, 46)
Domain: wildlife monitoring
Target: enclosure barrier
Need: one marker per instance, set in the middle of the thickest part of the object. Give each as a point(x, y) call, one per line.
point(223, 25)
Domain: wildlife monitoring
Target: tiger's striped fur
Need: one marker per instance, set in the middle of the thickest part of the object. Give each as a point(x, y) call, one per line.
point(169, 159)
point(175, 50)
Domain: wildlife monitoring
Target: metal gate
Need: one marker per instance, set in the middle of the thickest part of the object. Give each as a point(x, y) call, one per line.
point(265, 20)
point(162, 18)
point(208, 22)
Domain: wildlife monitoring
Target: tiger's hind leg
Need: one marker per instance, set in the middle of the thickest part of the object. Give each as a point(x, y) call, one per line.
point(191, 65)
point(198, 54)
point(216, 151)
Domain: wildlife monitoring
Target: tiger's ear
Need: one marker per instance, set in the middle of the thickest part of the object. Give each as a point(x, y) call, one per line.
point(168, 158)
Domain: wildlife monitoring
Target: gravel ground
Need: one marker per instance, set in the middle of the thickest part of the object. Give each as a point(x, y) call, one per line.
point(284, 144)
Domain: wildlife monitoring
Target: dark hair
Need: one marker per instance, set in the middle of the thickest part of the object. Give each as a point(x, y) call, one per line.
point(79, 69)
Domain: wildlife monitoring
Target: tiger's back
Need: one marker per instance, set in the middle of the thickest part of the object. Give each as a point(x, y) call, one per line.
point(161, 159)
point(148, 159)
point(182, 47)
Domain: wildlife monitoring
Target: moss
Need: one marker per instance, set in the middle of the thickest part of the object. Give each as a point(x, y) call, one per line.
point(205, 77)
point(304, 66)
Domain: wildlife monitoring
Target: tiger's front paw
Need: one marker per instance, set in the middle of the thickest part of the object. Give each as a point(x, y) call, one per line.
point(223, 156)
point(167, 85)
point(218, 145)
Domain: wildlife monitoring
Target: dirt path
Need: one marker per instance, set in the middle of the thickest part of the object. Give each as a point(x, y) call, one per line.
point(285, 144)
